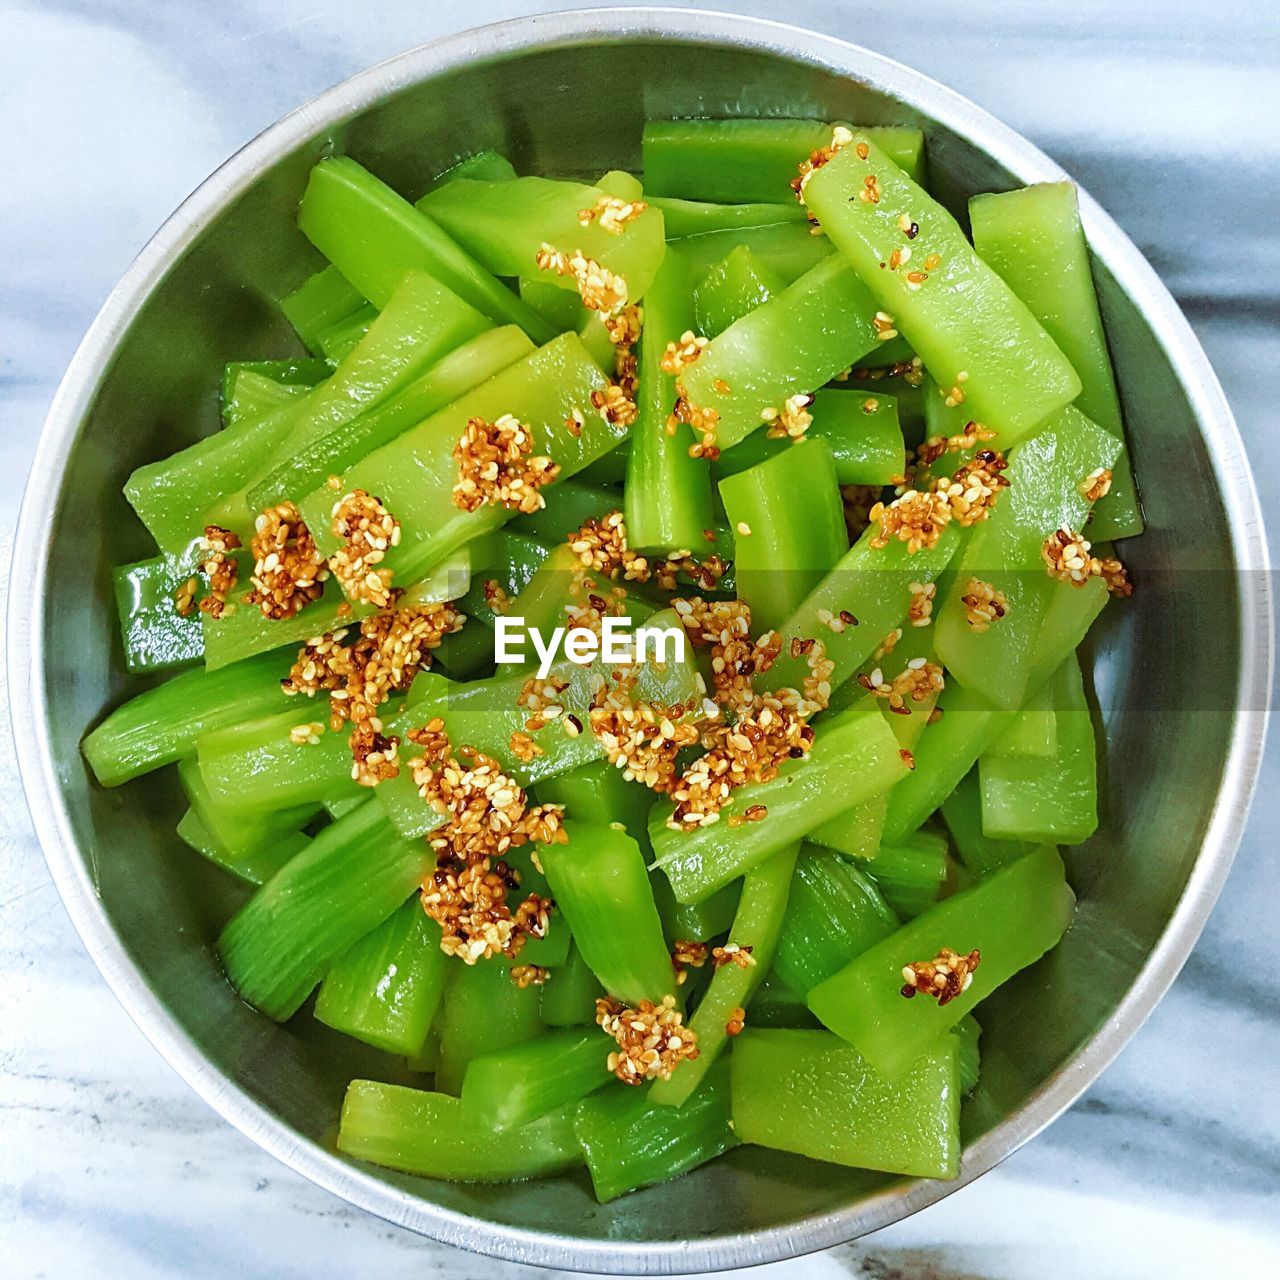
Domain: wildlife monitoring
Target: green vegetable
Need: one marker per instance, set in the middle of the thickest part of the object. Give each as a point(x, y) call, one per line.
point(789, 529)
point(963, 319)
point(969, 1060)
point(340, 339)
point(861, 431)
point(504, 225)
point(745, 160)
point(1047, 799)
point(256, 868)
point(629, 1142)
point(756, 930)
point(162, 724)
point(155, 636)
point(668, 493)
point(854, 756)
point(348, 880)
point(484, 1012)
point(600, 883)
point(739, 283)
point(248, 392)
point(431, 1134)
point(778, 1004)
point(1034, 241)
point(809, 1092)
point(911, 873)
point(320, 302)
point(980, 853)
point(487, 166)
point(787, 250)
point(375, 237)
point(1033, 730)
point(834, 912)
point(570, 993)
point(698, 217)
point(1012, 918)
point(386, 988)
point(515, 1086)
point(789, 346)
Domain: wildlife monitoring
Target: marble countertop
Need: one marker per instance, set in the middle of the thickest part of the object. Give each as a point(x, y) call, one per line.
point(111, 111)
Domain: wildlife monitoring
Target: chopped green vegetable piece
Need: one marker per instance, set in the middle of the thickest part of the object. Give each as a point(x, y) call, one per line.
point(487, 166)
point(484, 1012)
point(969, 1060)
point(630, 1143)
point(744, 160)
point(693, 921)
point(319, 302)
point(375, 237)
point(154, 634)
point(600, 794)
point(911, 873)
point(854, 756)
point(255, 868)
point(515, 1086)
point(810, 1092)
point(511, 568)
point(1048, 477)
point(835, 912)
point(787, 250)
point(755, 932)
point(242, 836)
point(162, 724)
point(560, 308)
point(385, 989)
point(450, 378)
point(977, 339)
point(798, 340)
point(466, 654)
point(1011, 919)
point(980, 853)
point(569, 994)
point(250, 394)
point(789, 528)
point(1053, 799)
point(600, 883)
point(698, 217)
point(340, 339)
point(349, 879)
point(505, 225)
point(415, 474)
point(1033, 731)
point(739, 283)
point(861, 430)
point(430, 1134)
point(668, 493)
point(1034, 241)
point(778, 1004)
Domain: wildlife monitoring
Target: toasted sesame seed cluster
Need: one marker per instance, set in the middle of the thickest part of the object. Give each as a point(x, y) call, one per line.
point(1068, 557)
point(367, 530)
point(219, 567)
point(611, 214)
point(679, 355)
point(639, 737)
point(652, 1038)
point(703, 421)
point(496, 465)
point(791, 421)
point(983, 604)
point(918, 680)
point(598, 287)
point(288, 570)
point(946, 976)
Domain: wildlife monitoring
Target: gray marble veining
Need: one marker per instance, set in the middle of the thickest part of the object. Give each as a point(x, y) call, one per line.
point(112, 110)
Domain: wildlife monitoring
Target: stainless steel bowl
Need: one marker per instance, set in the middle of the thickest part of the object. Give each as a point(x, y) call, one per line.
point(1183, 694)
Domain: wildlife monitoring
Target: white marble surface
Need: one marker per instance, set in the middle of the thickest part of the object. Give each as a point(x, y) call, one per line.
point(112, 110)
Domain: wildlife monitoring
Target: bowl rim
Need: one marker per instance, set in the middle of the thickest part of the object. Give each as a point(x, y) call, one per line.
point(30, 567)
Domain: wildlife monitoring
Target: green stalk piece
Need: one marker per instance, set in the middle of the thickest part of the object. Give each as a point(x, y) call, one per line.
point(155, 636)
point(791, 345)
point(386, 988)
point(699, 217)
point(861, 431)
point(255, 868)
point(516, 1086)
point(694, 921)
point(969, 724)
point(512, 566)
point(977, 339)
point(347, 881)
point(789, 528)
point(736, 285)
point(292, 371)
point(629, 1142)
point(484, 1012)
point(601, 886)
point(430, 1134)
point(756, 929)
point(375, 237)
point(668, 493)
point(318, 303)
point(778, 1004)
point(1033, 731)
point(1033, 240)
point(969, 1059)
point(455, 374)
point(854, 756)
point(980, 853)
point(243, 836)
point(161, 725)
point(912, 873)
point(786, 250)
point(834, 913)
point(340, 339)
point(562, 309)
point(250, 394)
point(1054, 799)
point(415, 473)
point(599, 794)
point(486, 166)
point(1048, 476)
point(1011, 919)
point(570, 993)
point(466, 654)
point(811, 1093)
point(503, 225)
point(739, 161)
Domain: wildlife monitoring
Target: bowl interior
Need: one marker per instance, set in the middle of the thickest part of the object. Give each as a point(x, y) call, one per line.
point(573, 108)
